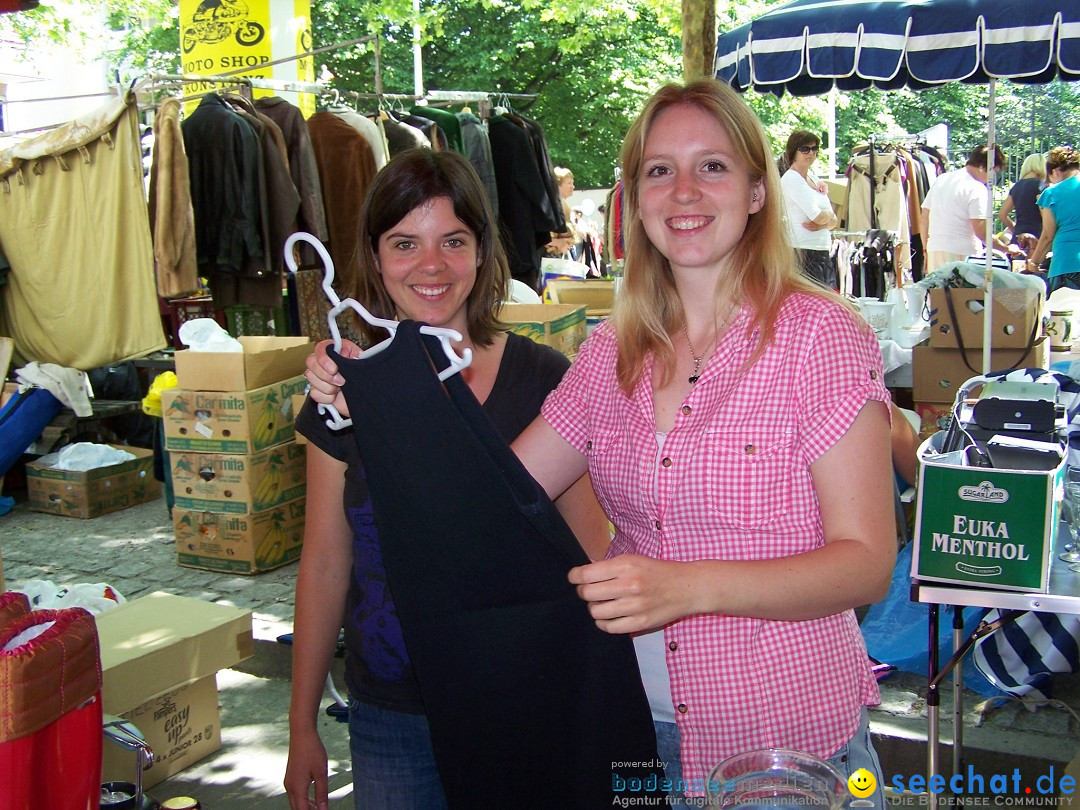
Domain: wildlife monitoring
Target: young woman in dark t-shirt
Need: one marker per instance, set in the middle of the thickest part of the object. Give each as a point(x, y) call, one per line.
point(429, 253)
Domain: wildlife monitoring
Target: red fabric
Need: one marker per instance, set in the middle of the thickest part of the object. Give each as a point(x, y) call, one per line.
point(17, 5)
point(50, 712)
point(58, 767)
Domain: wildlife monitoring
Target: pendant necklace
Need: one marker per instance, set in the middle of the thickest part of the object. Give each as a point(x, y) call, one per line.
point(698, 359)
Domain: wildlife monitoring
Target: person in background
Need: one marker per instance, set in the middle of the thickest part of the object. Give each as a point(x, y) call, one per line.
point(809, 213)
point(1060, 208)
point(954, 211)
point(429, 252)
point(1019, 212)
point(563, 244)
point(733, 417)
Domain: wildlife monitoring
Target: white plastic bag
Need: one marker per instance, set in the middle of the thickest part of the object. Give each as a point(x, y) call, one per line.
point(83, 456)
point(565, 268)
point(46, 595)
point(206, 335)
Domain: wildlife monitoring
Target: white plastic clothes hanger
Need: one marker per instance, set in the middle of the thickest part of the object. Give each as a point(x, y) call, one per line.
point(457, 362)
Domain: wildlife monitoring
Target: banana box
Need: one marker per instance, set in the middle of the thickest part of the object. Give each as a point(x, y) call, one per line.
point(264, 360)
point(230, 421)
point(239, 544)
point(239, 484)
point(561, 326)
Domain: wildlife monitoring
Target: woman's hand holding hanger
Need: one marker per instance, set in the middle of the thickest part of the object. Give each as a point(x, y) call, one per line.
point(322, 374)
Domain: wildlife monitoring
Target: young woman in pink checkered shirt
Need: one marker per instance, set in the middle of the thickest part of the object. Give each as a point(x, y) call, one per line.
point(734, 419)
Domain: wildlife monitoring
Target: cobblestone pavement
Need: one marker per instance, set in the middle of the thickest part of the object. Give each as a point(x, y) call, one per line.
point(133, 550)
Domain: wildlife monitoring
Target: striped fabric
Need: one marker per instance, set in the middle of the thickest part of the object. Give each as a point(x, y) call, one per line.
point(1020, 657)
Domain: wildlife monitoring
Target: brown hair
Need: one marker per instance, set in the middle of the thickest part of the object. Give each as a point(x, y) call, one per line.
point(799, 137)
point(410, 180)
point(977, 157)
point(1063, 158)
point(762, 265)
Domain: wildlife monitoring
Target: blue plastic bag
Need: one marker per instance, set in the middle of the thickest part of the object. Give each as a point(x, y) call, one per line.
point(897, 630)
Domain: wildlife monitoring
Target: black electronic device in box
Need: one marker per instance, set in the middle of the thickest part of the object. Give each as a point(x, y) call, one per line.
point(1017, 406)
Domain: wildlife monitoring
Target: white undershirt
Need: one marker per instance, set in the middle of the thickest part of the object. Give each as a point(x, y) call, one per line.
point(652, 661)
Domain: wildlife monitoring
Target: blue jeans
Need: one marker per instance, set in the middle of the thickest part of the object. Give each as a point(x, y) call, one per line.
point(392, 760)
point(856, 753)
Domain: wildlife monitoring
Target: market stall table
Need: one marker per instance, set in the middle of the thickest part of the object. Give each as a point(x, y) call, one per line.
point(1063, 597)
point(104, 424)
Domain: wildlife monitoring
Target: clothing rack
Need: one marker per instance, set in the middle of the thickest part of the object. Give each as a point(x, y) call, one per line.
point(455, 96)
point(257, 82)
point(861, 234)
point(5, 102)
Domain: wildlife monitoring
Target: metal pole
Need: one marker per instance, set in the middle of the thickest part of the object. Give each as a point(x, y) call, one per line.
point(988, 272)
point(417, 53)
point(830, 121)
point(933, 704)
point(296, 56)
point(958, 689)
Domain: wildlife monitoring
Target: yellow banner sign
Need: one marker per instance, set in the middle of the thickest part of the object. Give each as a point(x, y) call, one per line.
point(225, 36)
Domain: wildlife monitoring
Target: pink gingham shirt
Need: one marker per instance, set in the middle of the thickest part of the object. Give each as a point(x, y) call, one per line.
point(734, 483)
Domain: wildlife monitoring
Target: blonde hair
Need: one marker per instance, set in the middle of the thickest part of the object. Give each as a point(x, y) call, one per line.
point(762, 270)
point(1034, 166)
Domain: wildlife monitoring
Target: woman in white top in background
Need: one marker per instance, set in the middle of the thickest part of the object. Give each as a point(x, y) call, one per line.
point(809, 213)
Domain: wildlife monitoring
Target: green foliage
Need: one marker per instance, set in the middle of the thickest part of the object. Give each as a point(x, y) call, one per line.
point(589, 65)
point(134, 36)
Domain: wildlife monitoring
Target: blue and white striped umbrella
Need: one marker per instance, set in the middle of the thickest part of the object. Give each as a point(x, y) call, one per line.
point(808, 46)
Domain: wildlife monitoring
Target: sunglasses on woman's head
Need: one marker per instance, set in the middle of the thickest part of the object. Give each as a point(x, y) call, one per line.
point(806, 150)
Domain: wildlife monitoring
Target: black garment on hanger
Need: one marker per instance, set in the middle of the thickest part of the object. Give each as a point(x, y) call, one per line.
point(223, 158)
point(526, 216)
point(528, 702)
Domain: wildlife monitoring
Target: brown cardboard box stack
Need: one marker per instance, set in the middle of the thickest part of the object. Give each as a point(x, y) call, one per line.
point(940, 366)
point(159, 657)
point(239, 475)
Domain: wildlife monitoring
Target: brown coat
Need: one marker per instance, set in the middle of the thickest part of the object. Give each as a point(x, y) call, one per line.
point(172, 219)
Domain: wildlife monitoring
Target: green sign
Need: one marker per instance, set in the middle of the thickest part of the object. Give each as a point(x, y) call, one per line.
point(986, 527)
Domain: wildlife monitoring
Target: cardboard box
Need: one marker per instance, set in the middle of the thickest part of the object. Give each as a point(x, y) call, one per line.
point(987, 527)
point(1016, 314)
point(160, 642)
point(230, 421)
point(297, 404)
point(239, 544)
point(838, 192)
point(159, 654)
point(93, 492)
point(937, 374)
point(598, 295)
point(216, 482)
point(7, 392)
point(181, 727)
point(933, 417)
point(264, 360)
point(561, 326)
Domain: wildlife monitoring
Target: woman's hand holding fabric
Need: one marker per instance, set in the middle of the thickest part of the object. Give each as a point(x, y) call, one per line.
point(322, 374)
point(631, 593)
